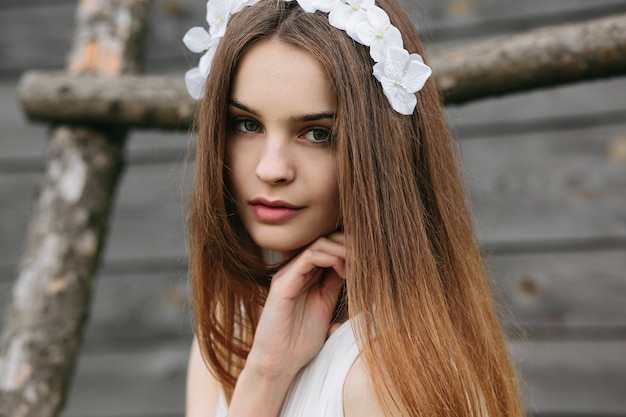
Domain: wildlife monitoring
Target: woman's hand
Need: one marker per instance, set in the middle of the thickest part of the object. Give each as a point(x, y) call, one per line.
point(292, 328)
point(298, 310)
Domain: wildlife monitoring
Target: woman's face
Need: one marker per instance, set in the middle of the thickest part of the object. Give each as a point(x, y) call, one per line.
point(281, 165)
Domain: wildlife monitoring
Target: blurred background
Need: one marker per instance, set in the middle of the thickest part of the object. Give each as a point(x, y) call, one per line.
point(545, 172)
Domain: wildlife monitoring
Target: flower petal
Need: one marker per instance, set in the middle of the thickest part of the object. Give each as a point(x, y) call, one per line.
point(417, 73)
point(339, 15)
point(312, 6)
point(197, 39)
point(365, 4)
point(378, 18)
point(194, 81)
point(393, 38)
point(218, 13)
point(238, 5)
point(395, 61)
point(205, 61)
point(218, 28)
point(379, 71)
point(354, 21)
point(218, 8)
point(404, 102)
point(400, 99)
point(365, 32)
point(416, 57)
point(235, 6)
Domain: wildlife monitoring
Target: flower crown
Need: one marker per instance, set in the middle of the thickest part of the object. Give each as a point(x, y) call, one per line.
point(400, 73)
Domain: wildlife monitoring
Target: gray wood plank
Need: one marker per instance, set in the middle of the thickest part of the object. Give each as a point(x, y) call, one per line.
point(598, 102)
point(555, 296)
point(139, 330)
point(29, 4)
point(456, 22)
point(145, 376)
point(140, 308)
point(559, 186)
point(149, 220)
point(543, 294)
point(18, 139)
point(572, 378)
point(464, 12)
point(132, 311)
point(130, 383)
point(565, 378)
point(36, 36)
point(562, 295)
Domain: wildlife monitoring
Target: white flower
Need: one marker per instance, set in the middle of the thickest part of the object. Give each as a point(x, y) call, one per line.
point(218, 14)
point(378, 33)
point(402, 75)
point(347, 14)
point(311, 6)
point(197, 39)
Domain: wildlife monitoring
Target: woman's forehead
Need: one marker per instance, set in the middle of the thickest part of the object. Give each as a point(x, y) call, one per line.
point(273, 73)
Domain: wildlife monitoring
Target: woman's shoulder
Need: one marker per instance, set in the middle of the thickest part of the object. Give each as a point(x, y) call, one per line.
point(202, 387)
point(359, 396)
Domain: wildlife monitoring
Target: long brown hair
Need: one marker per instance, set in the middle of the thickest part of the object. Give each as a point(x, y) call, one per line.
point(429, 334)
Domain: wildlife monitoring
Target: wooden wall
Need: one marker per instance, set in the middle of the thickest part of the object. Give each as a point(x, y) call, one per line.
point(546, 174)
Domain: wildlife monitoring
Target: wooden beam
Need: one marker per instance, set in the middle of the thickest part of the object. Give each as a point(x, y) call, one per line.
point(541, 58)
point(141, 102)
point(536, 59)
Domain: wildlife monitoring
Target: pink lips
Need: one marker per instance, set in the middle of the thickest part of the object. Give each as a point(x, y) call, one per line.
point(273, 211)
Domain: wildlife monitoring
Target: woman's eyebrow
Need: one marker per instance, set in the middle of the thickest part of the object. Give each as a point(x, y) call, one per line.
point(315, 116)
point(301, 118)
point(240, 106)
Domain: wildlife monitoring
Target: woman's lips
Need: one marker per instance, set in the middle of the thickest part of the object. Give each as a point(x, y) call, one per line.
point(273, 211)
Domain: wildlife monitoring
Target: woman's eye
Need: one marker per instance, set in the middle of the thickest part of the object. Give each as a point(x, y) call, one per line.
point(318, 135)
point(247, 126)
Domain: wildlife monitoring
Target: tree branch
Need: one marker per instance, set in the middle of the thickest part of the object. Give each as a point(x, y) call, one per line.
point(140, 102)
point(540, 58)
point(537, 59)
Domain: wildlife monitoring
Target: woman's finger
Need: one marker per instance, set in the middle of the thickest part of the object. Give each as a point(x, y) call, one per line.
point(305, 263)
point(306, 271)
point(333, 243)
point(338, 237)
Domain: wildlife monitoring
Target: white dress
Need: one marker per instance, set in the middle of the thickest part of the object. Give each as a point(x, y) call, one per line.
point(317, 390)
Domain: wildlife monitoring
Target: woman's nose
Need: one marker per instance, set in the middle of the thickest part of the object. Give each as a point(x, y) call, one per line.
point(275, 165)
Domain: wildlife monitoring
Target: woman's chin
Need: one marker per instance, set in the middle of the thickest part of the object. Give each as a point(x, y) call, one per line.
point(281, 251)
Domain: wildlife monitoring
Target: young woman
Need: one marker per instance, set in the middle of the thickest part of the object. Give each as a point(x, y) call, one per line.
point(334, 270)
